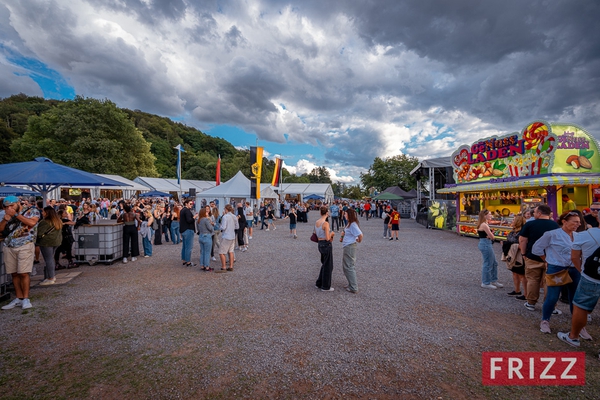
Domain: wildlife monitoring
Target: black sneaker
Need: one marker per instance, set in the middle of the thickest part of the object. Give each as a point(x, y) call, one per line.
point(521, 297)
point(513, 293)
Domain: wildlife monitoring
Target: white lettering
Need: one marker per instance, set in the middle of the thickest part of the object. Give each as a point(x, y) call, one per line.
point(493, 367)
point(515, 369)
point(550, 361)
point(572, 362)
point(531, 368)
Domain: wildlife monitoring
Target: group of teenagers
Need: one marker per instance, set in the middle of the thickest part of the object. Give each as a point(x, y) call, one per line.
point(560, 256)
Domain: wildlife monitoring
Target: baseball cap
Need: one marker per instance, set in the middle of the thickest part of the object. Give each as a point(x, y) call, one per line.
point(587, 210)
point(10, 200)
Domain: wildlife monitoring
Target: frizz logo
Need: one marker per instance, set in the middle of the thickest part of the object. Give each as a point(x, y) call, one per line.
point(533, 368)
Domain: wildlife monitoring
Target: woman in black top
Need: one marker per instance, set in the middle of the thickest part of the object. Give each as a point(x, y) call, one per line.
point(240, 232)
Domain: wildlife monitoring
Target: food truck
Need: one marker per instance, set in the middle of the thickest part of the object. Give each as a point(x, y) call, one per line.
point(511, 173)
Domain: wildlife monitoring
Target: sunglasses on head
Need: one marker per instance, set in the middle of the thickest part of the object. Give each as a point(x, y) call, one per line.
point(572, 213)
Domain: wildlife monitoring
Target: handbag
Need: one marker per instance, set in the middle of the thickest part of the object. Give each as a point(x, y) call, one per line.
point(560, 278)
point(154, 224)
point(314, 237)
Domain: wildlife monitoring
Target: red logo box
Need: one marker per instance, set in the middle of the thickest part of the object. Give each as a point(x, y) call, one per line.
point(533, 368)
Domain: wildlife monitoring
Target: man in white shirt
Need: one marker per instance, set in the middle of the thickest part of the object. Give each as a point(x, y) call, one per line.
point(229, 224)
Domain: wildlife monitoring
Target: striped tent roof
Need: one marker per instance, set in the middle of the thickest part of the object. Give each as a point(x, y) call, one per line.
point(526, 182)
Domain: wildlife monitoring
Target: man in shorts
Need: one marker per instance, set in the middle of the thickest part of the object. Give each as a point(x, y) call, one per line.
point(228, 226)
point(588, 291)
point(19, 247)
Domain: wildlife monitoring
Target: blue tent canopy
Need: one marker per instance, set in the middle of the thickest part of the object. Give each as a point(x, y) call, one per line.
point(313, 197)
point(13, 191)
point(44, 176)
point(155, 193)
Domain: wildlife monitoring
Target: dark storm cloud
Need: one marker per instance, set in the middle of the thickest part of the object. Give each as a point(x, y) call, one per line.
point(98, 63)
point(330, 72)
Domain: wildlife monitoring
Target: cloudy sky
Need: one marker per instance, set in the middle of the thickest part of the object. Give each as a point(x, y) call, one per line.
point(333, 83)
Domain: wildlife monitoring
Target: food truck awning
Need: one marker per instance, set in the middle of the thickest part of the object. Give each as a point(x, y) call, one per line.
point(527, 182)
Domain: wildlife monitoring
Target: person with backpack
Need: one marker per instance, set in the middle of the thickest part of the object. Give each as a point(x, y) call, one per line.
point(585, 255)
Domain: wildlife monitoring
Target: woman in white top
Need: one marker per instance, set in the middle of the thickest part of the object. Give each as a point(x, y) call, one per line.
point(554, 247)
point(351, 235)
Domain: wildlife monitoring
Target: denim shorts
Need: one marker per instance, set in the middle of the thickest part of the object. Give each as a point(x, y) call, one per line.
point(292, 226)
point(587, 294)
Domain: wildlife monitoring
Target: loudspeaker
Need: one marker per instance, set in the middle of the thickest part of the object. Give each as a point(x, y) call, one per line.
point(192, 192)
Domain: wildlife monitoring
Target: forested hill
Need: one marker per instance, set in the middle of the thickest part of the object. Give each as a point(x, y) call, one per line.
point(97, 136)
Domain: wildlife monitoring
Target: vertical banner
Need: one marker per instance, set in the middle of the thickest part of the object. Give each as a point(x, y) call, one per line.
point(277, 172)
point(218, 178)
point(256, 155)
point(179, 150)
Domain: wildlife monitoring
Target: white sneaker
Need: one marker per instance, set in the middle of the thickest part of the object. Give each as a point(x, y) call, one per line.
point(214, 259)
point(124, 260)
point(545, 327)
point(589, 317)
point(584, 334)
point(556, 311)
point(13, 304)
point(249, 237)
point(328, 290)
point(267, 229)
point(133, 258)
point(47, 282)
point(26, 304)
point(274, 227)
point(488, 286)
point(497, 284)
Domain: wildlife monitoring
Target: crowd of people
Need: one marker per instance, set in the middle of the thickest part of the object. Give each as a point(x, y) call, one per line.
point(31, 230)
point(562, 258)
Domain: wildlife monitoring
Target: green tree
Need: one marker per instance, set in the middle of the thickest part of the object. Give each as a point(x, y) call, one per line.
point(392, 171)
point(353, 192)
point(319, 175)
point(87, 134)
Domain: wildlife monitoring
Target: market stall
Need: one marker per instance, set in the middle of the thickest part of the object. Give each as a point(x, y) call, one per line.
point(511, 173)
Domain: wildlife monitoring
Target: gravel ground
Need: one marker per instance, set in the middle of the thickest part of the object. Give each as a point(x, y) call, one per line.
point(155, 329)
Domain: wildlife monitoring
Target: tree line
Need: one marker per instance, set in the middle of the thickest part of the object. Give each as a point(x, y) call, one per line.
point(97, 136)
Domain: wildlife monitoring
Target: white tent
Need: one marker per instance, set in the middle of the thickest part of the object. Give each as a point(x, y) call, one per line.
point(237, 188)
point(129, 188)
point(171, 185)
point(304, 189)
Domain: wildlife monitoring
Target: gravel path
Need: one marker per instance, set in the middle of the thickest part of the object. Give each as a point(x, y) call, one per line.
point(155, 329)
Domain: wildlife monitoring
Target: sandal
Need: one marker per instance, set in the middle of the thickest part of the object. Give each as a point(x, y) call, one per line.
point(230, 269)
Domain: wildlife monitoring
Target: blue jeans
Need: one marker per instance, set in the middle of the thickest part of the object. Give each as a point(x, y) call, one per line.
point(175, 235)
point(188, 244)
point(205, 247)
point(489, 269)
point(553, 292)
point(147, 245)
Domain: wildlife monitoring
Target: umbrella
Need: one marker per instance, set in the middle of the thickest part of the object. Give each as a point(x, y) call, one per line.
point(155, 193)
point(313, 197)
point(13, 191)
point(388, 196)
point(44, 176)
